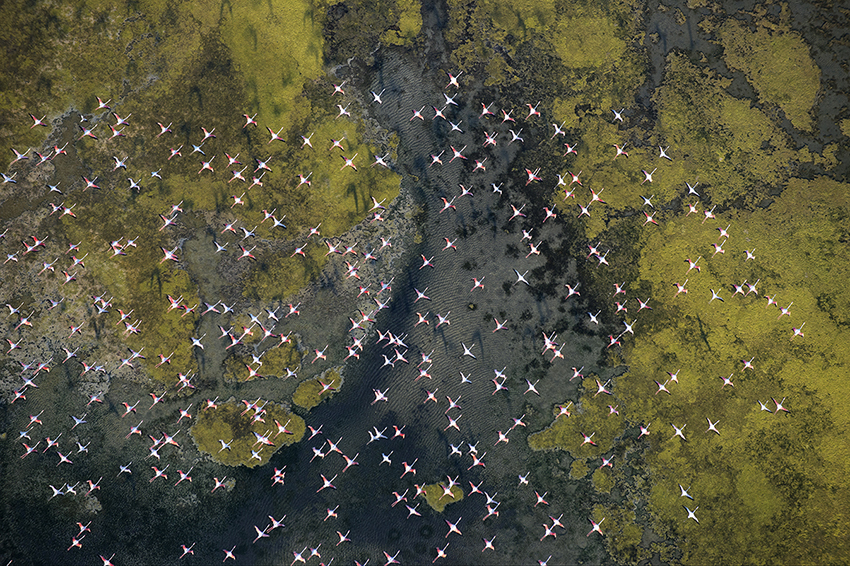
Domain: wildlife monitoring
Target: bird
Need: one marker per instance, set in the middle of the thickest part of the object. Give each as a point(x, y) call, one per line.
point(692, 189)
point(441, 553)
point(488, 543)
point(521, 277)
point(349, 162)
point(457, 153)
point(453, 80)
point(779, 406)
point(260, 533)
point(467, 351)
point(596, 527)
point(620, 150)
point(532, 175)
point(453, 528)
point(648, 176)
point(517, 212)
point(549, 532)
point(452, 424)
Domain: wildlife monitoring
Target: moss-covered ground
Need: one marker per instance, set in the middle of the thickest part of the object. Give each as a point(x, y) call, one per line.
point(576, 60)
point(772, 471)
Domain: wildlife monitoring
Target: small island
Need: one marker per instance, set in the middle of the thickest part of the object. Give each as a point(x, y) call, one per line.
point(437, 498)
point(313, 391)
point(235, 425)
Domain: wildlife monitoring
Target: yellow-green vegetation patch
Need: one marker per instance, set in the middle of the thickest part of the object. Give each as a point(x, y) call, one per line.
point(140, 284)
point(313, 391)
point(190, 65)
point(228, 423)
point(597, 64)
point(47, 68)
point(603, 481)
point(622, 534)
point(208, 61)
point(845, 127)
point(589, 38)
point(778, 472)
point(409, 16)
point(437, 497)
point(579, 469)
point(734, 150)
point(335, 200)
point(282, 274)
point(275, 361)
point(274, 64)
point(592, 419)
point(357, 28)
point(777, 63)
